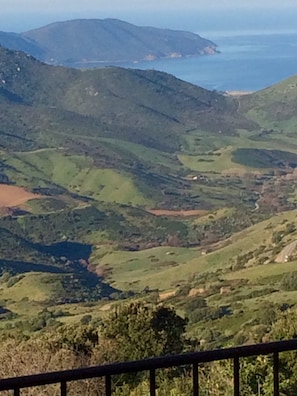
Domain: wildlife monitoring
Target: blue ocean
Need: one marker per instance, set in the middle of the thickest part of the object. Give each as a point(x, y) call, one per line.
point(258, 46)
point(248, 61)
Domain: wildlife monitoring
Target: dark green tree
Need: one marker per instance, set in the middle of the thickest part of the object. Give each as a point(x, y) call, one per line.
point(142, 330)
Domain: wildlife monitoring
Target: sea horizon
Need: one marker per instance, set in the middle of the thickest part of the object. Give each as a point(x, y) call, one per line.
point(256, 50)
point(247, 61)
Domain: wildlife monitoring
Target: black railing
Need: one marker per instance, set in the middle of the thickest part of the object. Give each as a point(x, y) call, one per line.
point(151, 365)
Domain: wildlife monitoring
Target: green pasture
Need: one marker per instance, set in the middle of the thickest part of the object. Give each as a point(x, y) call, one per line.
point(214, 152)
point(35, 287)
point(156, 269)
point(75, 173)
point(146, 268)
point(74, 313)
point(143, 153)
point(260, 272)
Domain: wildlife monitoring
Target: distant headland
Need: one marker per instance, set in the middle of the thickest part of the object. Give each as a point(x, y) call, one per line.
point(87, 42)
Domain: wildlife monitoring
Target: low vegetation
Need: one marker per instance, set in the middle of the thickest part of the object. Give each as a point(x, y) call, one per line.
point(138, 330)
point(101, 185)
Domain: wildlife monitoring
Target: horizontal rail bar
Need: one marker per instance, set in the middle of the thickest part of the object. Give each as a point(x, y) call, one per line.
point(147, 364)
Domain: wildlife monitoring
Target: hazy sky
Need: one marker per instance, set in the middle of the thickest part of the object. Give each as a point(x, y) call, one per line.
point(68, 5)
point(20, 15)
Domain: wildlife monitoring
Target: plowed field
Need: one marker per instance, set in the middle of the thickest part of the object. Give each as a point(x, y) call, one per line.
point(11, 196)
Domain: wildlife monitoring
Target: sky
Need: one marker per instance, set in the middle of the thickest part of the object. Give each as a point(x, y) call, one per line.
point(21, 15)
point(52, 5)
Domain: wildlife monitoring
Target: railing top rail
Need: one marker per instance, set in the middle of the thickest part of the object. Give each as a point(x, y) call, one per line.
point(147, 364)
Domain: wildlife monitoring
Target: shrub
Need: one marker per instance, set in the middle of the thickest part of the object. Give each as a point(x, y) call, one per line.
point(289, 281)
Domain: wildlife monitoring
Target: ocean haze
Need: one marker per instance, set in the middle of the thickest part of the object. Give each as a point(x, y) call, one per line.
point(198, 20)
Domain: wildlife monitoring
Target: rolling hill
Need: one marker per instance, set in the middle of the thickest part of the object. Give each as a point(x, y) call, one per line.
point(274, 106)
point(135, 181)
point(133, 122)
point(87, 42)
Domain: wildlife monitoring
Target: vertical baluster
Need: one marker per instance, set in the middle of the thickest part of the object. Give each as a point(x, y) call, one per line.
point(108, 385)
point(152, 383)
point(195, 380)
point(275, 374)
point(16, 392)
point(63, 387)
point(236, 380)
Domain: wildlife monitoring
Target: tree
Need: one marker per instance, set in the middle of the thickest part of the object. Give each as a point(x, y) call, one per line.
point(81, 339)
point(141, 330)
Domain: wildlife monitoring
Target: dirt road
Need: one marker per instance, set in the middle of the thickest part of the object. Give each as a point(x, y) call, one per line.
point(285, 254)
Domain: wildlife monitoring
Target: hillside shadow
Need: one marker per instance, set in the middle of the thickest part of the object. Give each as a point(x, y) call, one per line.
point(22, 267)
point(71, 250)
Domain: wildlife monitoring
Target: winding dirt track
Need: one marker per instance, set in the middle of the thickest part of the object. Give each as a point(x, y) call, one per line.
point(11, 196)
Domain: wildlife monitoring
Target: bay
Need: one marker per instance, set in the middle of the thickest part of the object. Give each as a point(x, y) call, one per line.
point(248, 61)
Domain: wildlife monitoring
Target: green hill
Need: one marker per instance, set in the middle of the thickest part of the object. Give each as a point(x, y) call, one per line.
point(274, 104)
point(144, 182)
point(131, 121)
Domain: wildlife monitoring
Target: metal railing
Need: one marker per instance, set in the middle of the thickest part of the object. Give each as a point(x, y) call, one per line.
point(151, 365)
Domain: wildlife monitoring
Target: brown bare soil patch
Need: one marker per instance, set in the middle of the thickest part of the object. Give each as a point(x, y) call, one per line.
point(106, 307)
point(176, 213)
point(164, 295)
point(103, 271)
point(11, 196)
point(197, 292)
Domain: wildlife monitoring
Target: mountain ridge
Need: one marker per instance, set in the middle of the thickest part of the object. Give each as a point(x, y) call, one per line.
point(84, 42)
point(113, 98)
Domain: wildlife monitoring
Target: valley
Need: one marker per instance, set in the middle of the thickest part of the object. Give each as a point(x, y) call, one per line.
point(126, 184)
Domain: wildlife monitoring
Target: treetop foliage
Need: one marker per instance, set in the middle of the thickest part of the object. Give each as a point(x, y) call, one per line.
point(144, 330)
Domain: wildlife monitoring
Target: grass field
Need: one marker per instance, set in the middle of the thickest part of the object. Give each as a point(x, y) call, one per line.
point(260, 272)
point(214, 153)
point(77, 174)
point(147, 268)
point(165, 267)
point(144, 154)
point(38, 287)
